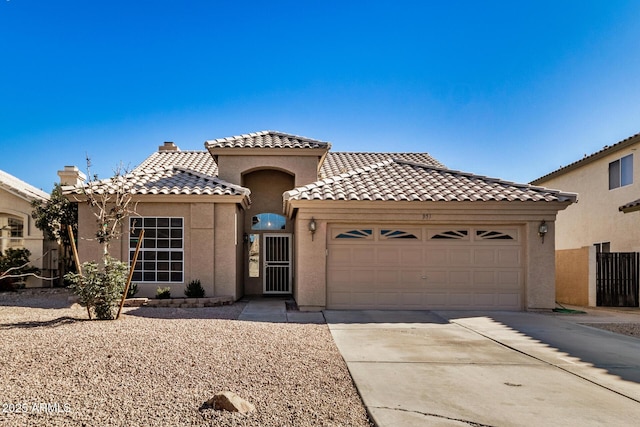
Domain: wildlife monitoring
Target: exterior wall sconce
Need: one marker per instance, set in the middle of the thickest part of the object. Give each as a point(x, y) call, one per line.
point(543, 229)
point(312, 227)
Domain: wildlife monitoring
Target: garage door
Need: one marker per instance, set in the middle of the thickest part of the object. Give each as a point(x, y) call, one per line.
point(444, 267)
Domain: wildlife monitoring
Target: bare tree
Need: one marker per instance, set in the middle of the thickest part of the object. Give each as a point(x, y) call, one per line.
point(111, 202)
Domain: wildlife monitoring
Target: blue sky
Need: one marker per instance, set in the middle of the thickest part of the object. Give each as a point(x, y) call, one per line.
point(508, 89)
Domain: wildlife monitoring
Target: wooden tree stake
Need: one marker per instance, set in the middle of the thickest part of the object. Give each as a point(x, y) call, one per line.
point(133, 266)
point(75, 256)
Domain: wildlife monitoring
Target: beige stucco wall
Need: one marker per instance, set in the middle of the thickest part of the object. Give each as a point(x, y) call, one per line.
point(575, 276)
point(33, 239)
point(539, 265)
point(595, 218)
point(210, 235)
point(303, 168)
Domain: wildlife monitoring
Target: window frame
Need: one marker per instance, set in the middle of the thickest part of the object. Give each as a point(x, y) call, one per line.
point(621, 172)
point(162, 247)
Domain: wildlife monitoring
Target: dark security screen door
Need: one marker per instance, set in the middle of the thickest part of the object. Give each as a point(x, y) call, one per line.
point(277, 263)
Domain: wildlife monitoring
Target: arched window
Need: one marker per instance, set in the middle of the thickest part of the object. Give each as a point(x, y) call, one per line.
point(268, 221)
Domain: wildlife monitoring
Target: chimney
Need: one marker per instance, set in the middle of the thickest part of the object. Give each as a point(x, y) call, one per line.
point(71, 175)
point(168, 146)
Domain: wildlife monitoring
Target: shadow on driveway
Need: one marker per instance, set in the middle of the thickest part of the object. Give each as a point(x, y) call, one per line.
point(488, 368)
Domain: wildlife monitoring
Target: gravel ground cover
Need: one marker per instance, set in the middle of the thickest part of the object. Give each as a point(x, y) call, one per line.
point(157, 366)
point(631, 329)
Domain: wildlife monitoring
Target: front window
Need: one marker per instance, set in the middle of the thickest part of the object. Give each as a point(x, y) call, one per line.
point(11, 232)
point(268, 221)
point(161, 257)
point(621, 172)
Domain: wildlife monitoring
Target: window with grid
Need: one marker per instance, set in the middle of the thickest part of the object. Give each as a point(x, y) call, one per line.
point(161, 257)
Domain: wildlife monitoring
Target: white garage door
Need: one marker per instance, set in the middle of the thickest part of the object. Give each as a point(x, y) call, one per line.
point(444, 267)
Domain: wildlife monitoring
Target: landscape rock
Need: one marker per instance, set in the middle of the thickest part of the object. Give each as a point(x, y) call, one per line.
point(229, 401)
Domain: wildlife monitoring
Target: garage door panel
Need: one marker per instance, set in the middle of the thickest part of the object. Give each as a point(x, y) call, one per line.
point(362, 255)
point(388, 256)
point(513, 299)
point(484, 299)
point(436, 299)
point(385, 277)
point(412, 279)
point(484, 278)
point(365, 299)
point(460, 279)
point(460, 257)
point(435, 277)
point(508, 257)
point(339, 256)
point(484, 257)
point(459, 299)
point(388, 299)
point(454, 271)
point(411, 299)
point(434, 257)
point(509, 278)
point(411, 256)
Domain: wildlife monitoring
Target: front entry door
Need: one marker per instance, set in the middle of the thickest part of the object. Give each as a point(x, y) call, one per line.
point(277, 263)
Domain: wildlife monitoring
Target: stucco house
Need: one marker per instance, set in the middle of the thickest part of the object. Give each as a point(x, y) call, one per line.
point(17, 226)
point(270, 213)
point(604, 220)
point(607, 188)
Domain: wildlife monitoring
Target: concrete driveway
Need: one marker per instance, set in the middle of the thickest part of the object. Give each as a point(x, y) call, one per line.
point(489, 369)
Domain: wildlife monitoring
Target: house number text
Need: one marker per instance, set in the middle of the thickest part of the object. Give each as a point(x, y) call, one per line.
point(426, 216)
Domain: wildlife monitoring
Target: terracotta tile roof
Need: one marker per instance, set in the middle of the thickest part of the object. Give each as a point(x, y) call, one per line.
point(398, 180)
point(173, 180)
point(606, 150)
point(21, 188)
point(337, 163)
point(266, 139)
point(630, 207)
point(198, 161)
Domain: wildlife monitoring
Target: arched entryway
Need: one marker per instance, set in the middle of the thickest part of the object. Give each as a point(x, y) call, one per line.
point(268, 234)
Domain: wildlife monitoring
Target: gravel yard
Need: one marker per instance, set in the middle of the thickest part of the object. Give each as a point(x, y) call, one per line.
point(157, 366)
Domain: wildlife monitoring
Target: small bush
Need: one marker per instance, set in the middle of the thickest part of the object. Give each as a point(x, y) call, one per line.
point(101, 286)
point(194, 289)
point(14, 263)
point(163, 293)
point(133, 290)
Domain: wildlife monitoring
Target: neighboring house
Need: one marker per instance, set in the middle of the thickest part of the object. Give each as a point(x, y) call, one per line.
point(603, 220)
point(272, 213)
point(17, 226)
point(607, 187)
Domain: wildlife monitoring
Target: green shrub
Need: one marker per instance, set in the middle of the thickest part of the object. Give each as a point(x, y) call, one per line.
point(194, 289)
point(133, 290)
point(100, 287)
point(14, 262)
point(163, 293)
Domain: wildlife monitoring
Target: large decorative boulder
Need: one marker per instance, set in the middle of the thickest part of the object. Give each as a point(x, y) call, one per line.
point(229, 401)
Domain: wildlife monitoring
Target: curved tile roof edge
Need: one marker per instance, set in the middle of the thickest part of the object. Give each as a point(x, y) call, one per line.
point(264, 133)
point(607, 149)
point(137, 173)
point(562, 196)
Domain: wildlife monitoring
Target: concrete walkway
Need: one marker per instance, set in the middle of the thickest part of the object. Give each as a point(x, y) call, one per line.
point(489, 369)
point(273, 309)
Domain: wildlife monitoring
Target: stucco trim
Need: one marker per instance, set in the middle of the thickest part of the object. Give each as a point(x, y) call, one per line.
point(426, 211)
